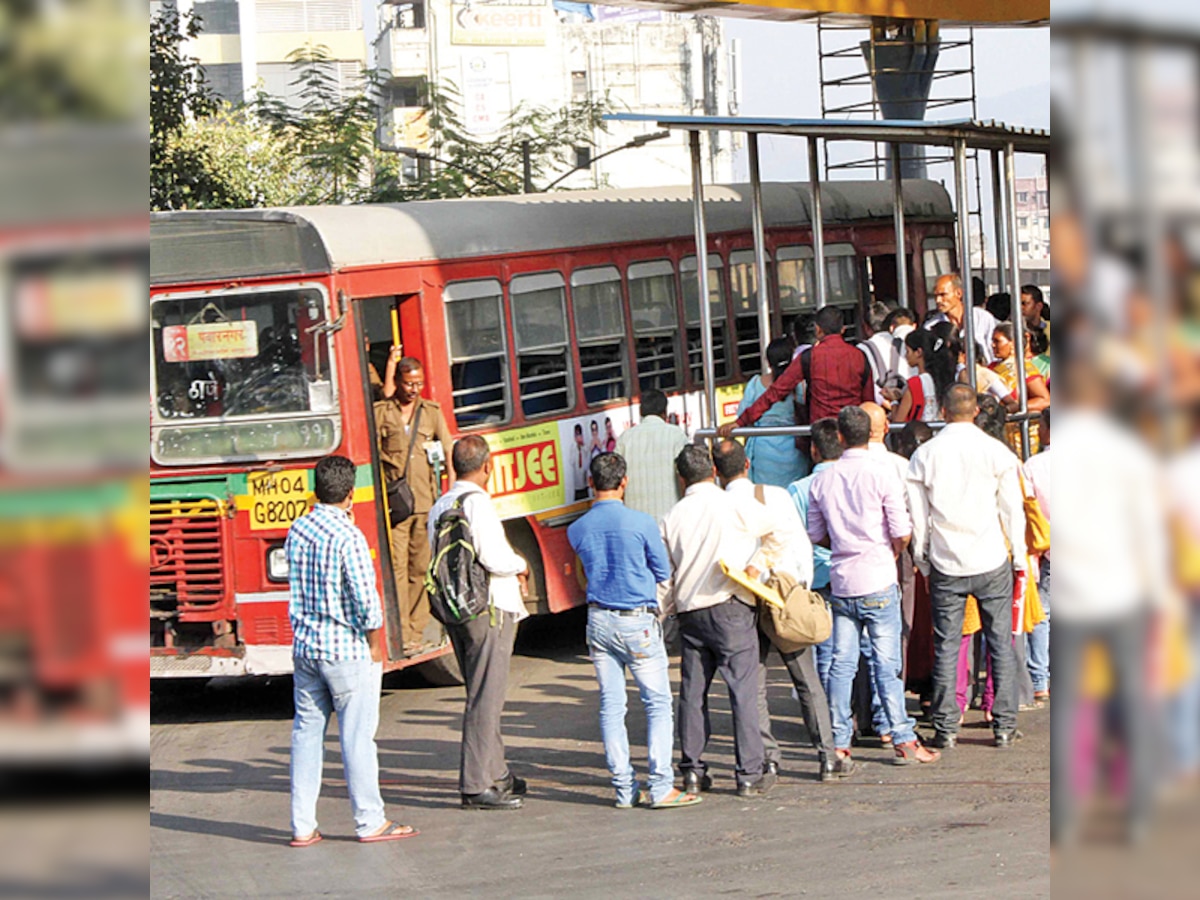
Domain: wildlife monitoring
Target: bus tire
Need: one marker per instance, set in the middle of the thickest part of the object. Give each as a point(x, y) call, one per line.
point(441, 672)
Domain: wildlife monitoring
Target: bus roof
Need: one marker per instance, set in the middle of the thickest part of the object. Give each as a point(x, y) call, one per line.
point(207, 245)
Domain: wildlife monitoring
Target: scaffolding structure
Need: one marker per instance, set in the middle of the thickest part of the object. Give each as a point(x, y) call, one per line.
point(853, 56)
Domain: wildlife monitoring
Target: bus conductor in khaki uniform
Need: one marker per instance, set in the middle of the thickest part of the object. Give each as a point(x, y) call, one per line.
point(395, 417)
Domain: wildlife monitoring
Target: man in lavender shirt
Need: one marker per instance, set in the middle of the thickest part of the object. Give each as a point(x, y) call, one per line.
point(857, 509)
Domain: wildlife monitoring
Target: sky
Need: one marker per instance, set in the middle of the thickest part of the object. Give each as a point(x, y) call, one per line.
point(781, 77)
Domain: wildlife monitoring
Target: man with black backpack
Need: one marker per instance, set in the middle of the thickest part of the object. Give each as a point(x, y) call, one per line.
point(476, 585)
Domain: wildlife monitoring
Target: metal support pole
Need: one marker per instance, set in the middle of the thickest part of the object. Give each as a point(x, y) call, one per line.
point(818, 224)
point(898, 218)
point(760, 251)
point(706, 341)
point(964, 254)
point(1010, 178)
point(1000, 223)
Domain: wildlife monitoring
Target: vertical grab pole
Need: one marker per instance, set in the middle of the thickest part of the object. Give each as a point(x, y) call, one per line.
point(1000, 216)
point(898, 218)
point(760, 251)
point(1010, 178)
point(706, 341)
point(818, 224)
point(964, 253)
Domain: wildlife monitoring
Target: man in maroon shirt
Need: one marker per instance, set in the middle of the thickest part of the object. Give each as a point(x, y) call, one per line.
point(837, 375)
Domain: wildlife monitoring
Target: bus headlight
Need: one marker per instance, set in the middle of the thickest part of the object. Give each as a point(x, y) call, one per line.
point(277, 564)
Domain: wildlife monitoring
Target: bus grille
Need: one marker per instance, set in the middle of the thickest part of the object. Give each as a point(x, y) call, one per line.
point(187, 578)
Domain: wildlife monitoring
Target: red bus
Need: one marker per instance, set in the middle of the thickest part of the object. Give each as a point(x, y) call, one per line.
point(539, 319)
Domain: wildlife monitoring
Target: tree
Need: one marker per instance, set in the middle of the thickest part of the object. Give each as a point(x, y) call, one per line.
point(181, 174)
point(254, 166)
point(462, 165)
point(332, 131)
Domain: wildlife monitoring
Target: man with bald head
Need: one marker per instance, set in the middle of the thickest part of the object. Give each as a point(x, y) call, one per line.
point(965, 497)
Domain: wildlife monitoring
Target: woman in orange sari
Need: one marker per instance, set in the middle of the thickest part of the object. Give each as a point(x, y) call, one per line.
point(1036, 391)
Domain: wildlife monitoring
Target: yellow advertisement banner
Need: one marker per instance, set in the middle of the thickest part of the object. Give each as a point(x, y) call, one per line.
point(728, 398)
point(526, 470)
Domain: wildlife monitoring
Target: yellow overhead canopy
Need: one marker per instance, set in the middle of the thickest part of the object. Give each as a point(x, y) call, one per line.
point(950, 12)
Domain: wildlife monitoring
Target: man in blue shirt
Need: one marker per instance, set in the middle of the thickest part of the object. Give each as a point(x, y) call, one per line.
point(826, 448)
point(624, 559)
point(337, 657)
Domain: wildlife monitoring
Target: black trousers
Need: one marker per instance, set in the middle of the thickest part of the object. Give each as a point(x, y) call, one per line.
point(724, 639)
point(948, 600)
point(483, 651)
point(814, 705)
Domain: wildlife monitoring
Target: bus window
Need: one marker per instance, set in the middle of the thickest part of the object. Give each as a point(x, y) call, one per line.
point(540, 330)
point(842, 275)
point(691, 313)
point(243, 375)
point(655, 324)
point(600, 333)
point(743, 287)
point(478, 363)
point(794, 271)
point(938, 257)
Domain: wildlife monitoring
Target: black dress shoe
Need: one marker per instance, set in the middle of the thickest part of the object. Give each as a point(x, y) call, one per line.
point(771, 767)
point(758, 787)
point(491, 799)
point(694, 781)
point(1007, 738)
point(943, 741)
point(511, 784)
point(828, 769)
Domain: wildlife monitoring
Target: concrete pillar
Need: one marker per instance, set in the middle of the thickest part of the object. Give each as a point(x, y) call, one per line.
point(901, 64)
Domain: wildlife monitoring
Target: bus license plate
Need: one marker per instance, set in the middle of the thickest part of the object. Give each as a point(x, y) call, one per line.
point(277, 499)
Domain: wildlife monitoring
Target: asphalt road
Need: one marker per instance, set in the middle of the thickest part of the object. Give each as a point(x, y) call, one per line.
point(974, 824)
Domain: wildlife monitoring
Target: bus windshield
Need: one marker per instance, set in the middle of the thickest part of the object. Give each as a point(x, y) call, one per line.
point(226, 361)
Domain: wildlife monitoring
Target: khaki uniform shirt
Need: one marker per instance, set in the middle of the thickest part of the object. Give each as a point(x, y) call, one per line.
point(393, 446)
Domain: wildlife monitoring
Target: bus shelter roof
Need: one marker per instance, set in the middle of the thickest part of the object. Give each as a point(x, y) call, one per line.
point(973, 13)
point(983, 134)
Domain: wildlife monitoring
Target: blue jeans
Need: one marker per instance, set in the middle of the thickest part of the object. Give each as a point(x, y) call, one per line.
point(350, 687)
point(1038, 643)
point(823, 651)
point(880, 614)
point(635, 642)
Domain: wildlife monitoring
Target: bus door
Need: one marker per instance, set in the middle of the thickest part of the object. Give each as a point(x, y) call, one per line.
point(380, 324)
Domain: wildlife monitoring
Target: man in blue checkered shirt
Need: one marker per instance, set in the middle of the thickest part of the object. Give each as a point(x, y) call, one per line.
point(337, 655)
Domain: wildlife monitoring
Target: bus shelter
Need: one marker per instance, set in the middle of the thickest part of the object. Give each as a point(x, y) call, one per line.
point(1002, 141)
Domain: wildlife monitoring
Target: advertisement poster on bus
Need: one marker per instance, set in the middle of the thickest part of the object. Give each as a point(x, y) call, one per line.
point(545, 467)
point(527, 472)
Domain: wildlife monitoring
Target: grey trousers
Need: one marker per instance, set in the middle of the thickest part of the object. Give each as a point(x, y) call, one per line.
point(722, 638)
point(483, 651)
point(1124, 638)
point(948, 599)
point(814, 705)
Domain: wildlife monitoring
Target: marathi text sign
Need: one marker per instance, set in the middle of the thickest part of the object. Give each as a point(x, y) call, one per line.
point(498, 26)
point(526, 470)
point(210, 340)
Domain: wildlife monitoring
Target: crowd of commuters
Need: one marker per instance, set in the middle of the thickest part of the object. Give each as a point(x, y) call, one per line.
point(912, 552)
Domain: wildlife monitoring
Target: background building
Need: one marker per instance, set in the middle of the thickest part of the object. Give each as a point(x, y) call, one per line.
point(245, 42)
point(498, 55)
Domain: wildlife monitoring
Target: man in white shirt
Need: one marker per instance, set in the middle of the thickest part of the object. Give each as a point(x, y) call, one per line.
point(885, 352)
point(733, 467)
point(948, 295)
point(964, 493)
point(1111, 583)
point(483, 646)
point(718, 622)
point(649, 450)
